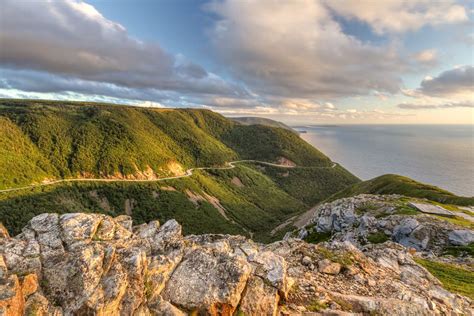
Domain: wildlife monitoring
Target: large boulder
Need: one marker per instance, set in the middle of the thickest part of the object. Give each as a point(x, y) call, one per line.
point(461, 237)
point(209, 282)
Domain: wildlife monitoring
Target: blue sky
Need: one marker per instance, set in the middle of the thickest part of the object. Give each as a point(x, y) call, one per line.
point(300, 61)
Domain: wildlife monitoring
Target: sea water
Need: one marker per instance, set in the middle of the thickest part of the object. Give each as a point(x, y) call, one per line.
point(441, 155)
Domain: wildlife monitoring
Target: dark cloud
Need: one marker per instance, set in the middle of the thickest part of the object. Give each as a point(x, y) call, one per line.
point(72, 39)
point(41, 82)
point(450, 82)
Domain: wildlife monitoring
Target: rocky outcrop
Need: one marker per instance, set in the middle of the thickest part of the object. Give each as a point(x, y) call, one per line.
point(364, 218)
point(92, 264)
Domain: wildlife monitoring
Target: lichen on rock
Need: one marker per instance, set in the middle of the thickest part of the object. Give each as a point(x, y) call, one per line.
point(93, 264)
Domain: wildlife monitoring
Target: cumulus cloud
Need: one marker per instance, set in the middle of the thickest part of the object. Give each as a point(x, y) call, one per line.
point(448, 105)
point(457, 81)
point(297, 49)
point(452, 88)
point(71, 38)
point(400, 15)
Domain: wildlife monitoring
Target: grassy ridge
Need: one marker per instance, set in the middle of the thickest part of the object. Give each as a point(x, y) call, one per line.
point(269, 143)
point(395, 184)
point(251, 120)
point(454, 279)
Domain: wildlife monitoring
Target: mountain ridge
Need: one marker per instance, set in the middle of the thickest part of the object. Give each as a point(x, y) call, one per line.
point(89, 140)
point(254, 120)
point(106, 140)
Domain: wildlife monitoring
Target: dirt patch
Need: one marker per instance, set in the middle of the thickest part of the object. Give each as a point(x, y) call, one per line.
point(217, 204)
point(129, 205)
point(286, 162)
point(167, 188)
point(304, 218)
point(194, 197)
point(236, 181)
point(175, 168)
point(101, 200)
point(285, 174)
point(147, 174)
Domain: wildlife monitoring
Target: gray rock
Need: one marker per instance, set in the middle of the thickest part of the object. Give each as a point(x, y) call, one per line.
point(461, 237)
point(91, 264)
point(208, 281)
point(78, 227)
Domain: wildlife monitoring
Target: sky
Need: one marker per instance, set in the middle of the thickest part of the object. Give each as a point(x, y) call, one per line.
point(297, 61)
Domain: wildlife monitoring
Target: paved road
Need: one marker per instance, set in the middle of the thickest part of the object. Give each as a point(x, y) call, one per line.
point(188, 173)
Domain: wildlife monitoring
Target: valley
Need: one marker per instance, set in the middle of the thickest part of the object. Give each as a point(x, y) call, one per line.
point(208, 172)
point(169, 191)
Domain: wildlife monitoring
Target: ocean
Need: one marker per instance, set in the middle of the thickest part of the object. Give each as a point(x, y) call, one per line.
point(441, 155)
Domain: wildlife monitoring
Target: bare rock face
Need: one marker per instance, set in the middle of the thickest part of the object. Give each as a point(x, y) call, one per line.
point(461, 237)
point(92, 264)
point(358, 218)
point(208, 281)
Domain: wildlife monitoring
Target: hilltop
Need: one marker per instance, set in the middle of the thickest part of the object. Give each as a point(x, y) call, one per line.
point(395, 184)
point(252, 120)
point(49, 140)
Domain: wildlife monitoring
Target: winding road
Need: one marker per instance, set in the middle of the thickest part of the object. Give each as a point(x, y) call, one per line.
point(188, 173)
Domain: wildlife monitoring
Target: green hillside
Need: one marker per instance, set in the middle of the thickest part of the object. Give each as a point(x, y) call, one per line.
point(45, 140)
point(73, 139)
point(20, 160)
point(395, 184)
point(252, 120)
point(252, 204)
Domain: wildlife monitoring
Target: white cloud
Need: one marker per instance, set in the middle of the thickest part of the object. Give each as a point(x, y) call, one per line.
point(428, 56)
point(400, 15)
point(297, 49)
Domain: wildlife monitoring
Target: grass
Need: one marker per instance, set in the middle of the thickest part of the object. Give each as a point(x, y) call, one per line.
point(395, 184)
point(345, 259)
point(457, 220)
point(365, 208)
point(454, 279)
point(406, 210)
point(310, 185)
point(377, 238)
point(460, 251)
point(314, 237)
point(317, 306)
point(57, 139)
